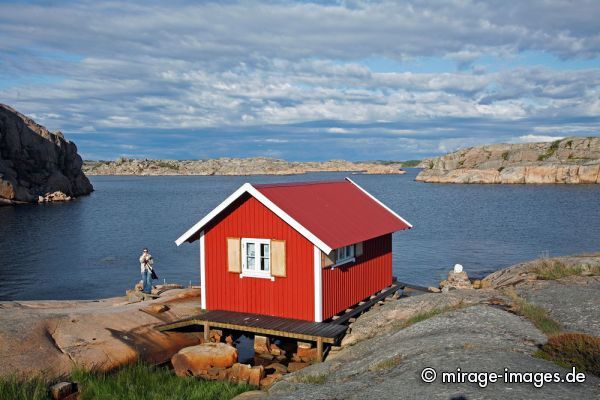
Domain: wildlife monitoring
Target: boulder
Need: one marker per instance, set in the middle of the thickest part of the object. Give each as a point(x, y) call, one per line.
point(261, 344)
point(240, 373)
point(197, 360)
point(276, 351)
point(257, 373)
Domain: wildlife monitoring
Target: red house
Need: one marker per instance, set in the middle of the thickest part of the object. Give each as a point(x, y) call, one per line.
point(305, 250)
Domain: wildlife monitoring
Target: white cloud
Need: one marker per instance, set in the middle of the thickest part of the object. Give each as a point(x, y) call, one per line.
point(224, 65)
point(538, 138)
point(336, 129)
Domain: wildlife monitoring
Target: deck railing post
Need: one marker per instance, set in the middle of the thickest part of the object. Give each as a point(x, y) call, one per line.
point(320, 349)
point(206, 331)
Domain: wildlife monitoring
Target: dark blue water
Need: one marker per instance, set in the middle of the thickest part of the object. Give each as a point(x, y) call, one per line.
point(89, 248)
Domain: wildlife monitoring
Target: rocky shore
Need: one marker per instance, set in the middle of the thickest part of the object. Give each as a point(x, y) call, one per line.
point(37, 165)
point(232, 166)
point(573, 160)
point(475, 326)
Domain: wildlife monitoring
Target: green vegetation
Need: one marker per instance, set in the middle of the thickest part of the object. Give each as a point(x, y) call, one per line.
point(133, 382)
point(573, 350)
point(431, 164)
point(142, 381)
point(168, 165)
point(500, 169)
point(386, 364)
point(13, 388)
point(422, 316)
point(410, 163)
point(550, 152)
point(554, 269)
point(505, 156)
point(315, 379)
point(537, 315)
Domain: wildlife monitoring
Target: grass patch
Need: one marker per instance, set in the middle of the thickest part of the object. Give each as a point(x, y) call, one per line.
point(537, 315)
point(168, 165)
point(573, 350)
point(138, 381)
point(386, 364)
point(422, 316)
point(550, 152)
point(141, 381)
point(314, 379)
point(554, 269)
point(13, 388)
point(410, 163)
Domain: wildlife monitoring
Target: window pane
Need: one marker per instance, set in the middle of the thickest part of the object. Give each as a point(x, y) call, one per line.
point(250, 249)
point(264, 264)
point(264, 250)
point(250, 262)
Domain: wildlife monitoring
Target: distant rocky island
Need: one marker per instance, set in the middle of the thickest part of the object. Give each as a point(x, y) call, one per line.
point(233, 166)
point(37, 165)
point(571, 160)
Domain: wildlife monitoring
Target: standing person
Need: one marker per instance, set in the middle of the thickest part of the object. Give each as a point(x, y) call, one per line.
point(146, 263)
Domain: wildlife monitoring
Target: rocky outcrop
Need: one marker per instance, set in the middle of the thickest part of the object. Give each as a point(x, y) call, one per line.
point(49, 338)
point(37, 165)
point(570, 160)
point(232, 166)
point(461, 330)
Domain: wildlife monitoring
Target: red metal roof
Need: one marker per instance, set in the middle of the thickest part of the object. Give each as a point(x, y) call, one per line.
point(339, 213)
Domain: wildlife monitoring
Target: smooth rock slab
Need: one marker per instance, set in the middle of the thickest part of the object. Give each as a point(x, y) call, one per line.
point(476, 339)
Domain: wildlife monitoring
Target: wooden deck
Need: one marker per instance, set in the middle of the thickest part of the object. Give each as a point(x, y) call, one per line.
point(262, 324)
point(320, 332)
point(365, 305)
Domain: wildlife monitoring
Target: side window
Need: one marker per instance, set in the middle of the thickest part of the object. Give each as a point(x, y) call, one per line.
point(344, 253)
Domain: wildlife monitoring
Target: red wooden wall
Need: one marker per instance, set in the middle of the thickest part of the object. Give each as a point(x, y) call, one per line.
point(290, 297)
point(347, 285)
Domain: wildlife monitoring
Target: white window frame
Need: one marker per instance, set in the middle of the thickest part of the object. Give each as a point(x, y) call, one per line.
point(348, 259)
point(255, 273)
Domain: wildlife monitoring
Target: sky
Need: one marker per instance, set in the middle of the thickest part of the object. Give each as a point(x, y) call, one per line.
point(302, 80)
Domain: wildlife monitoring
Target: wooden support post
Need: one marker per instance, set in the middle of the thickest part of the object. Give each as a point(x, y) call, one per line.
point(206, 331)
point(320, 349)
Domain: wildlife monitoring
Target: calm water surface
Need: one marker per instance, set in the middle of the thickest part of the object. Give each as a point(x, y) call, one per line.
point(89, 248)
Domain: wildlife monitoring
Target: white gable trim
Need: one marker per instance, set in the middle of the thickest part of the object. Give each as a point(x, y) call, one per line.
point(318, 284)
point(248, 188)
point(202, 272)
point(380, 203)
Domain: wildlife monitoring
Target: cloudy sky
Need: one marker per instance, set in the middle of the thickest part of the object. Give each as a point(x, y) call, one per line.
point(302, 80)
